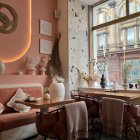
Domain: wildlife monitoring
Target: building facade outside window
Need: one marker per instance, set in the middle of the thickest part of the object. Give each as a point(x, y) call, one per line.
point(118, 40)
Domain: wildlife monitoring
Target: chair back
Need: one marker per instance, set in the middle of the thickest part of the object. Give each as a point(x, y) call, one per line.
point(52, 124)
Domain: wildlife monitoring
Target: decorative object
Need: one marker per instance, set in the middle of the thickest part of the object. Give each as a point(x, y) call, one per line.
point(20, 72)
point(103, 82)
point(43, 65)
point(101, 68)
point(46, 95)
point(45, 46)
point(138, 84)
point(126, 67)
point(45, 27)
point(20, 95)
point(31, 64)
point(2, 67)
point(8, 26)
point(54, 65)
point(87, 80)
point(57, 89)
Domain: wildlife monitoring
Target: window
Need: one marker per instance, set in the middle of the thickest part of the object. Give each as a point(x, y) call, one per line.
point(119, 41)
point(131, 7)
point(100, 18)
point(138, 7)
point(139, 34)
point(101, 41)
point(130, 36)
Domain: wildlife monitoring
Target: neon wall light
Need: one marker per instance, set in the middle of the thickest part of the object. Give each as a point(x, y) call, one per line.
point(27, 46)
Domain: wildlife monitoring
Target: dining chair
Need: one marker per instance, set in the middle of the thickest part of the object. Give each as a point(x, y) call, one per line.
point(131, 118)
point(110, 113)
point(52, 124)
point(92, 107)
point(55, 124)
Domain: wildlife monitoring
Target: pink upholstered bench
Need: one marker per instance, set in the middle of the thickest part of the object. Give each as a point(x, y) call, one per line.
point(15, 125)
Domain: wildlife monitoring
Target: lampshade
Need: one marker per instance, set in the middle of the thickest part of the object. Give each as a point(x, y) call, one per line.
point(2, 67)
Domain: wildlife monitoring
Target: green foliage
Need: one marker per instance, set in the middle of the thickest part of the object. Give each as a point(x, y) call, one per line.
point(126, 67)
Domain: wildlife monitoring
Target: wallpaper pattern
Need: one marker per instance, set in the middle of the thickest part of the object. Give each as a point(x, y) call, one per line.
point(78, 41)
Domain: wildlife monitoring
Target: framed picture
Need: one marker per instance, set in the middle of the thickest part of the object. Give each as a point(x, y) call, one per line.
point(45, 27)
point(45, 46)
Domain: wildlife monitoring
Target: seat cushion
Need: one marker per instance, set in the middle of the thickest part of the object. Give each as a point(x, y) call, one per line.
point(16, 119)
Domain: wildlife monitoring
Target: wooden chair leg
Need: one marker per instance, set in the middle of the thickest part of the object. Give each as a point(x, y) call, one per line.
point(92, 127)
point(100, 135)
point(136, 133)
point(126, 133)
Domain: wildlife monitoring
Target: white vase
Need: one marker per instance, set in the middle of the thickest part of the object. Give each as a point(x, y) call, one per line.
point(2, 67)
point(57, 90)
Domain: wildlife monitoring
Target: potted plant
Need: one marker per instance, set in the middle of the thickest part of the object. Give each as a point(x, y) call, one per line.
point(138, 84)
point(126, 67)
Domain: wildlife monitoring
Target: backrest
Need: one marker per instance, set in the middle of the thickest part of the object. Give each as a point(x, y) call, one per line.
point(8, 90)
point(91, 102)
point(52, 124)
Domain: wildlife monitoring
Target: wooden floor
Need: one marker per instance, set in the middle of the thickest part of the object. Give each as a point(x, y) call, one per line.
point(131, 136)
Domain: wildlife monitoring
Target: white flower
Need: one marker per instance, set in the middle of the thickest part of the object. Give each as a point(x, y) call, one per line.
point(32, 62)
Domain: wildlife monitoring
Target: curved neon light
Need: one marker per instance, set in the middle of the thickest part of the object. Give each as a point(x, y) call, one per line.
point(22, 53)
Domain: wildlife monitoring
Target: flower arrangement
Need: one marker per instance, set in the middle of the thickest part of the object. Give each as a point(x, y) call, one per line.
point(31, 64)
point(138, 81)
point(100, 66)
point(46, 90)
point(89, 78)
point(43, 64)
point(126, 67)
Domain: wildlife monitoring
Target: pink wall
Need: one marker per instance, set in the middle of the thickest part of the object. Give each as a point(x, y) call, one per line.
point(12, 44)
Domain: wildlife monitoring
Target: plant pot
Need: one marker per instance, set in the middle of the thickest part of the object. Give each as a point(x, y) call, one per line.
point(57, 90)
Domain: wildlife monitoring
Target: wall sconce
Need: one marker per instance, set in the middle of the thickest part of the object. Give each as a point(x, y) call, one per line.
point(57, 14)
point(2, 67)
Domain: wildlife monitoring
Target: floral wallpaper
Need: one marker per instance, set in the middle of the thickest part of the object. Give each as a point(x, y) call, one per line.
point(78, 41)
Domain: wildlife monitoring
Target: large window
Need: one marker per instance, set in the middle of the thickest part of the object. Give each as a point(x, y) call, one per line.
point(130, 36)
point(117, 42)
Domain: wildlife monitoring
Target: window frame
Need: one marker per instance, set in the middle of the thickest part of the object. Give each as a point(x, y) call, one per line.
point(106, 24)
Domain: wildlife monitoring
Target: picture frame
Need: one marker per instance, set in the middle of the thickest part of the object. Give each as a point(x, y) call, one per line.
point(45, 27)
point(45, 46)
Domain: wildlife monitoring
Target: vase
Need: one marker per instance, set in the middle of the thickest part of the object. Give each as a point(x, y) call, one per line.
point(57, 90)
point(125, 86)
point(103, 82)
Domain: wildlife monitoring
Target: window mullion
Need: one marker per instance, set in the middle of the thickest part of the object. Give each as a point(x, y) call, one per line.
point(127, 7)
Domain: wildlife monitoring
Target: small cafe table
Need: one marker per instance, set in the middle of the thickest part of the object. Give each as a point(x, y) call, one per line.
point(43, 105)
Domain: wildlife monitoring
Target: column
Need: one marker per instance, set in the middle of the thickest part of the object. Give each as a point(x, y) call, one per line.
point(105, 42)
point(112, 5)
point(136, 36)
point(125, 37)
point(97, 44)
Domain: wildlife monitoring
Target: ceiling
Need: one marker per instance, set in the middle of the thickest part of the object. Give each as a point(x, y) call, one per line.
point(90, 2)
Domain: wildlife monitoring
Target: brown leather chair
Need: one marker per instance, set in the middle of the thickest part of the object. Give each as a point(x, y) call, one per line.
point(52, 124)
point(92, 106)
point(131, 118)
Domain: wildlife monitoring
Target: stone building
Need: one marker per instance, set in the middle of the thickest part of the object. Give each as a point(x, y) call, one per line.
point(118, 42)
